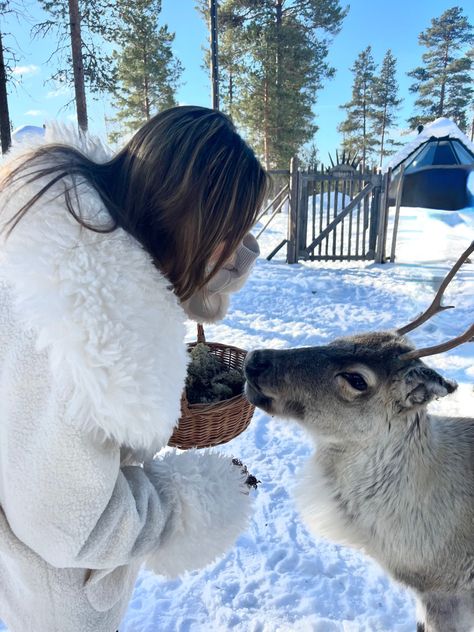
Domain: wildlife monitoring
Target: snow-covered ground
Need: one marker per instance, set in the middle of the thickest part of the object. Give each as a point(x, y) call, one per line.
point(278, 578)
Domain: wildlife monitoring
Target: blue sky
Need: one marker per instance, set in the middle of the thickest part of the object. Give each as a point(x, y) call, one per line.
point(381, 24)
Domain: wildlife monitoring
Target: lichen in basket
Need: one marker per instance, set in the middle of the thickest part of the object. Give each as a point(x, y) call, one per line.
point(210, 380)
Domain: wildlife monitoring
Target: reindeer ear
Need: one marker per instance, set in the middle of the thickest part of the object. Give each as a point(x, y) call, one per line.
point(422, 385)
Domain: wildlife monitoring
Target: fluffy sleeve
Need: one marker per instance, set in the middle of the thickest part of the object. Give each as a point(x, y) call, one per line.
point(67, 498)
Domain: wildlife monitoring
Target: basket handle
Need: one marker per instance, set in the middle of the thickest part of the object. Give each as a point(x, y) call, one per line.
point(184, 404)
point(200, 333)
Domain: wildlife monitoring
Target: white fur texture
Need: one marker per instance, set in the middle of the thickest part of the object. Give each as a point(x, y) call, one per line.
point(100, 308)
point(315, 502)
point(207, 519)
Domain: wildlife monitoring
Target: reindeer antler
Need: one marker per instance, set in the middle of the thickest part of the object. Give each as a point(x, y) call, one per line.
point(435, 308)
point(467, 336)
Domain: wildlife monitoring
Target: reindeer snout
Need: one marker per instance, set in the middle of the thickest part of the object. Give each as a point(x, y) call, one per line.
point(257, 367)
point(256, 363)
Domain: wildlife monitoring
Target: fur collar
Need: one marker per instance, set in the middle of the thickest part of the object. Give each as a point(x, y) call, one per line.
point(113, 328)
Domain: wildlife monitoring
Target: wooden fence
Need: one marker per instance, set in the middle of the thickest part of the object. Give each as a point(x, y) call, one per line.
point(338, 214)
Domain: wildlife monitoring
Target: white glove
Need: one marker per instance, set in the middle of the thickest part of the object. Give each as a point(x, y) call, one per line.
point(212, 301)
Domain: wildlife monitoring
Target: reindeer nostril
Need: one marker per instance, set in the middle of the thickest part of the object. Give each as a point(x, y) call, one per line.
point(256, 363)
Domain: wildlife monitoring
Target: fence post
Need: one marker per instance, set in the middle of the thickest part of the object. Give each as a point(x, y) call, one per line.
point(302, 214)
point(374, 213)
point(292, 246)
point(383, 222)
point(398, 202)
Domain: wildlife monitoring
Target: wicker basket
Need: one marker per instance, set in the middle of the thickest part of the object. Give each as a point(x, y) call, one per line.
point(207, 425)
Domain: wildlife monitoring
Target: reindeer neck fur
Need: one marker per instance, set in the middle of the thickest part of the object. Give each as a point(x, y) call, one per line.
point(392, 495)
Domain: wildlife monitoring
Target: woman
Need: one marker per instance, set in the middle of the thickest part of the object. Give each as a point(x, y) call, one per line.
point(102, 259)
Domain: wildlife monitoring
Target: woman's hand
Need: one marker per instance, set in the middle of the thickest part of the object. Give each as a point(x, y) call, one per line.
point(211, 302)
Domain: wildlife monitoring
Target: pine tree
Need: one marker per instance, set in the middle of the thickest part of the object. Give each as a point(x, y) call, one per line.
point(147, 71)
point(8, 57)
point(5, 134)
point(230, 53)
point(444, 82)
point(78, 64)
point(272, 57)
point(358, 135)
point(386, 103)
point(86, 24)
point(309, 157)
point(275, 102)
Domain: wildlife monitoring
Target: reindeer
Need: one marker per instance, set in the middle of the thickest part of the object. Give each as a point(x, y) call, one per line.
point(387, 476)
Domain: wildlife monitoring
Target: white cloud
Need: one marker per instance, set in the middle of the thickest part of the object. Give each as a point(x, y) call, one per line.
point(26, 70)
point(35, 113)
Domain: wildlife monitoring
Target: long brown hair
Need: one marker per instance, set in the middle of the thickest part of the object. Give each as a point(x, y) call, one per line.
point(185, 184)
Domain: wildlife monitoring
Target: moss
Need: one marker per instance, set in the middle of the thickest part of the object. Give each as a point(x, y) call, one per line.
point(210, 380)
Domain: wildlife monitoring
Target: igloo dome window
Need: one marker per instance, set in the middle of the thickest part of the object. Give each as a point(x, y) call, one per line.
point(439, 151)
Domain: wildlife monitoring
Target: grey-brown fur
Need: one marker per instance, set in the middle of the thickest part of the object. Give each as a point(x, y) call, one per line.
point(387, 476)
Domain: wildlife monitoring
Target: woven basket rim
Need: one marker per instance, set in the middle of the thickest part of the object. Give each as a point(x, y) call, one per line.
point(217, 344)
point(202, 408)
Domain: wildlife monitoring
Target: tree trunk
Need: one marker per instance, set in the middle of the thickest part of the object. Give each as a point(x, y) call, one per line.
point(441, 99)
point(279, 61)
point(77, 64)
point(266, 134)
point(147, 100)
point(364, 131)
point(443, 84)
point(382, 140)
point(146, 87)
point(4, 114)
point(214, 54)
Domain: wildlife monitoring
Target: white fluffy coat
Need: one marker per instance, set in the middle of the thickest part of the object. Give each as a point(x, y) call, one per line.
point(92, 365)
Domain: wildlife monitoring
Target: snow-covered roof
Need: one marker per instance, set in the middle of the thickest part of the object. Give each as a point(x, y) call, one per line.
point(439, 128)
point(27, 130)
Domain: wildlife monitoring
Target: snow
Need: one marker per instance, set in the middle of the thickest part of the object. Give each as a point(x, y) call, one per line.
point(438, 128)
point(439, 236)
point(279, 578)
point(25, 132)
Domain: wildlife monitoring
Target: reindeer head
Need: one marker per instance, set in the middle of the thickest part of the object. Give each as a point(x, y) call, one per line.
point(355, 385)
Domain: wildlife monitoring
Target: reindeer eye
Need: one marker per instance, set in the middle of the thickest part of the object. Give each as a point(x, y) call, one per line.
point(355, 380)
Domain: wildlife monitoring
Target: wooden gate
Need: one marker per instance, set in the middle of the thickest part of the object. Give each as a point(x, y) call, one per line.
point(337, 215)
